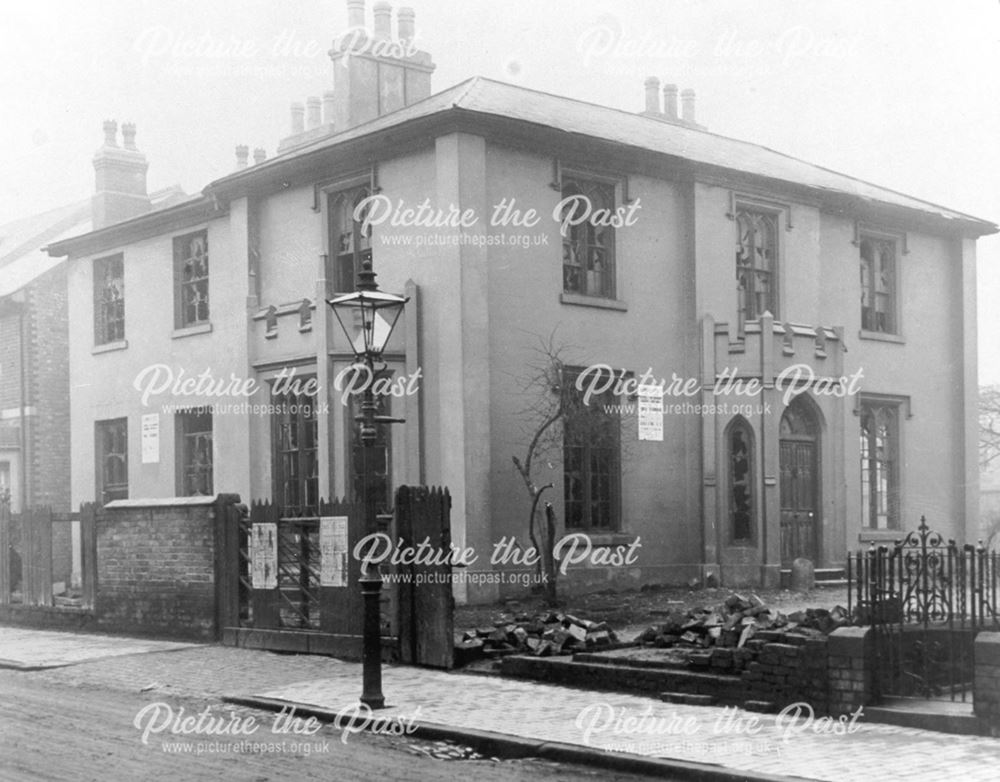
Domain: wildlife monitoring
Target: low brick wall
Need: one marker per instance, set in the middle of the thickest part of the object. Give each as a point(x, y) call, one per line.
point(850, 655)
point(156, 567)
point(987, 680)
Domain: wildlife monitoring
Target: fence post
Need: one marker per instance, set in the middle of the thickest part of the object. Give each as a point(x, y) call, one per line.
point(88, 553)
point(5, 549)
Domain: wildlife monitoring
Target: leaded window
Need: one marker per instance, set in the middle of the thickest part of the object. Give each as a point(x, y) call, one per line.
point(756, 262)
point(112, 460)
point(588, 250)
point(109, 300)
point(879, 465)
point(878, 284)
point(195, 434)
point(591, 458)
point(295, 454)
point(191, 276)
point(741, 494)
point(350, 242)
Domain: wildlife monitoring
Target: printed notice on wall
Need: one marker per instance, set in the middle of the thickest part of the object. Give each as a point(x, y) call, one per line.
point(650, 410)
point(333, 547)
point(264, 556)
point(151, 438)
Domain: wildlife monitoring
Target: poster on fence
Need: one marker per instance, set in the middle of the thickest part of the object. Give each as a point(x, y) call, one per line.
point(264, 556)
point(333, 546)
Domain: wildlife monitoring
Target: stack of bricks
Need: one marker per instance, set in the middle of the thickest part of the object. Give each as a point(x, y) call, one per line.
point(987, 684)
point(775, 666)
point(850, 656)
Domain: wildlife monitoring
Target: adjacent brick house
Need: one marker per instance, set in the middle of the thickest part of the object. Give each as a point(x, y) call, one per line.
point(706, 259)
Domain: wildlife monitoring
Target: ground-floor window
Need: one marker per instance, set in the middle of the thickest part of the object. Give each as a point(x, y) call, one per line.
point(739, 444)
point(879, 464)
point(112, 460)
point(295, 458)
point(194, 445)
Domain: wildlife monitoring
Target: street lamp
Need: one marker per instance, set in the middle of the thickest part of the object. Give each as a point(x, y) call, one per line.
point(367, 318)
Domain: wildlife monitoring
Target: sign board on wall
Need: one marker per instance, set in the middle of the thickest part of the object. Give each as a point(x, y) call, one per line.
point(151, 438)
point(333, 550)
point(650, 410)
point(264, 556)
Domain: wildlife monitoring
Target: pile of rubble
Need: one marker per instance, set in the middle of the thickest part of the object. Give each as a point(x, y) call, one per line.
point(734, 622)
point(541, 635)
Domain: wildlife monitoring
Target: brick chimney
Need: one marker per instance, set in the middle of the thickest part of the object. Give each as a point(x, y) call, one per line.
point(120, 177)
point(375, 72)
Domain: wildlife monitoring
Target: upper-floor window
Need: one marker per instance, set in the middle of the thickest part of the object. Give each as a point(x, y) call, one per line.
point(591, 458)
point(109, 300)
point(350, 244)
point(880, 464)
point(112, 459)
point(878, 284)
point(194, 443)
point(191, 279)
point(756, 262)
point(588, 250)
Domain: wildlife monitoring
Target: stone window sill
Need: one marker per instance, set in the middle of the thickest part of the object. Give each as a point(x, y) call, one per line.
point(110, 347)
point(602, 539)
point(593, 301)
point(190, 331)
point(879, 336)
point(880, 535)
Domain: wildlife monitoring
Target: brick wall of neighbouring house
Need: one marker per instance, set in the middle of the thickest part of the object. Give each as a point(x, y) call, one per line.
point(155, 570)
point(10, 376)
point(47, 340)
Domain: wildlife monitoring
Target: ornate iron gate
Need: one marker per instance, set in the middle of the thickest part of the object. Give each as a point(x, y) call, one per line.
point(925, 599)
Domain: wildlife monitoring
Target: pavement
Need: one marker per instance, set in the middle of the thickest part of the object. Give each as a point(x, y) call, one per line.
point(502, 715)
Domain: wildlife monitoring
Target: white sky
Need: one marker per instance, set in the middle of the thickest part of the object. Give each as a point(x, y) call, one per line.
point(903, 93)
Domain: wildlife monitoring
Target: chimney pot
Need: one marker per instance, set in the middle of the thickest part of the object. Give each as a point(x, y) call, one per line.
point(110, 133)
point(653, 95)
point(298, 118)
point(382, 11)
point(356, 14)
point(406, 25)
point(687, 105)
point(128, 135)
point(313, 112)
point(259, 155)
point(329, 106)
point(670, 101)
point(242, 151)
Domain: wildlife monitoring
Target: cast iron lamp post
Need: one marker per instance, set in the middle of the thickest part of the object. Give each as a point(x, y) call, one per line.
point(368, 317)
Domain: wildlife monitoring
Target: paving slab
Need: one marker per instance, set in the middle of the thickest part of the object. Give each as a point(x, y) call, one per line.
point(33, 650)
point(756, 745)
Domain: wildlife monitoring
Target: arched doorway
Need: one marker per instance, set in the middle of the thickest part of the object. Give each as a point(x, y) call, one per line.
point(800, 486)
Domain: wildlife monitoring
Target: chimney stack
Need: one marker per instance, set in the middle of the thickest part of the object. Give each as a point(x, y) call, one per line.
point(405, 24)
point(372, 81)
point(298, 118)
point(382, 11)
point(653, 95)
point(242, 152)
point(328, 107)
point(313, 105)
point(119, 178)
point(259, 156)
point(670, 101)
point(687, 106)
point(356, 14)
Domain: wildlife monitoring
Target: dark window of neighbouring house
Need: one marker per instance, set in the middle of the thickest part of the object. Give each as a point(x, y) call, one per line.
point(591, 458)
point(112, 460)
point(194, 445)
point(109, 299)
point(191, 279)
